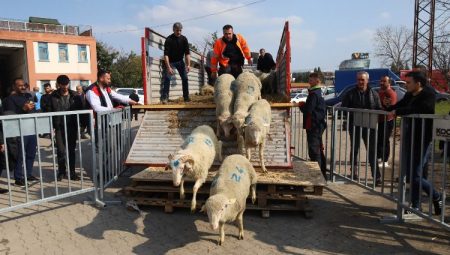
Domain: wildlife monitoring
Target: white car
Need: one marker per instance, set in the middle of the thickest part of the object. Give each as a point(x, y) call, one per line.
point(298, 97)
point(128, 91)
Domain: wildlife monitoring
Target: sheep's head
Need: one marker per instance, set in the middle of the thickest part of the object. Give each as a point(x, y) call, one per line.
point(226, 124)
point(238, 120)
point(180, 165)
point(216, 207)
point(252, 134)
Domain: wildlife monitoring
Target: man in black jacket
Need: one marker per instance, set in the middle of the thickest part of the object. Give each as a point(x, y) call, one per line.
point(314, 113)
point(420, 99)
point(176, 47)
point(21, 102)
point(63, 99)
point(362, 97)
point(265, 61)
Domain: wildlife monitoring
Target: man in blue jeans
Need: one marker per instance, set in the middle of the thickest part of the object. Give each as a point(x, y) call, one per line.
point(416, 143)
point(21, 102)
point(175, 48)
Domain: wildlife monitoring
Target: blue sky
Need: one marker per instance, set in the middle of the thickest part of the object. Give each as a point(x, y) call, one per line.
point(324, 32)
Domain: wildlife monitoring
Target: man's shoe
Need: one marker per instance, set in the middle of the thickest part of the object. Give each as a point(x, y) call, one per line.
point(164, 101)
point(60, 176)
point(438, 204)
point(85, 136)
point(378, 182)
point(32, 178)
point(20, 183)
point(3, 191)
point(187, 100)
point(74, 176)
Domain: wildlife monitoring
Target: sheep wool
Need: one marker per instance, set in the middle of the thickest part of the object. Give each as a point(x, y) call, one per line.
point(228, 194)
point(224, 100)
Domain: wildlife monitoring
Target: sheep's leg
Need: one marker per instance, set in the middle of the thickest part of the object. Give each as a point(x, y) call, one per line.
point(182, 190)
point(261, 157)
point(253, 188)
point(219, 151)
point(240, 219)
point(218, 128)
point(222, 233)
point(197, 185)
point(240, 141)
point(249, 153)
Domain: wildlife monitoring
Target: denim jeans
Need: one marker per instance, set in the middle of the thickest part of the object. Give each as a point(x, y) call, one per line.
point(181, 68)
point(29, 144)
point(315, 149)
point(417, 169)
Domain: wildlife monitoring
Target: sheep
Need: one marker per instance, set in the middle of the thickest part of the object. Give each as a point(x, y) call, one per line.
point(228, 194)
point(194, 159)
point(206, 90)
point(224, 100)
point(268, 82)
point(248, 90)
point(256, 128)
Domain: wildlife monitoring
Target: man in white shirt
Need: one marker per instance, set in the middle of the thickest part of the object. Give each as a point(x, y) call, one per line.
point(101, 97)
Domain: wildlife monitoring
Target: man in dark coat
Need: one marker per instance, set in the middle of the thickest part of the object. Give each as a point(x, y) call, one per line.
point(265, 61)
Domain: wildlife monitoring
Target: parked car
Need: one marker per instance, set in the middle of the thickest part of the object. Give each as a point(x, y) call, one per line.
point(128, 91)
point(328, 90)
point(298, 97)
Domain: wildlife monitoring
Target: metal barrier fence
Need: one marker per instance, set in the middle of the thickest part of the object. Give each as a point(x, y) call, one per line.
point(395, 150)
point(113, 130)
point(64, 160)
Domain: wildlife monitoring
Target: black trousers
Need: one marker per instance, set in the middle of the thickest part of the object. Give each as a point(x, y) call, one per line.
point(316, 148)
point(384, 133)
point(61, 151)
point(368, 137)
point(233, 69)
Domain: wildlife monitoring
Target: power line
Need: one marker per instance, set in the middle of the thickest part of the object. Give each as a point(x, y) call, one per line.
point(186, 20)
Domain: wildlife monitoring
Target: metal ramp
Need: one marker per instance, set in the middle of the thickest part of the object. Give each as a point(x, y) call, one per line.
point(164, 129)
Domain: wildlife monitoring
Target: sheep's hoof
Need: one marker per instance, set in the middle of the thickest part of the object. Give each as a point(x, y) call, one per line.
point(241, 236)
point(219, 242)
point(253, 200)
point(182, 196)
point(193, 209)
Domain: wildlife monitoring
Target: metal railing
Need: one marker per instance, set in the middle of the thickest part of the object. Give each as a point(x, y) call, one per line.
point(113, 130)
point(24, 26)
point(60, 159)
point(382, 153)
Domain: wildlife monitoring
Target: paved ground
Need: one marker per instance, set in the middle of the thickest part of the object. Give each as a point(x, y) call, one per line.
point(345, 222)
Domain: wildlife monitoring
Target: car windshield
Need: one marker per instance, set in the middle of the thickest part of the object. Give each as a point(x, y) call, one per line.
point(125, 92)
point(140, 92)
point(293, 95)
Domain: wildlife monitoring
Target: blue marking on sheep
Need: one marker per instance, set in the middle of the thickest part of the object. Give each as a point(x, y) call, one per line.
point(190, 140)
point(174, 164)
point(250, 90)
point(214, 182)
point(240, 169)
point(208, 142)
point(236, 178)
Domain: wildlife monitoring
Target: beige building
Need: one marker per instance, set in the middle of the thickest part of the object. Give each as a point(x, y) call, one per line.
point(39, 50)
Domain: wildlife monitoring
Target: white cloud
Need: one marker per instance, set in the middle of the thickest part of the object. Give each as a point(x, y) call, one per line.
point(385, 15)
point(364, 35)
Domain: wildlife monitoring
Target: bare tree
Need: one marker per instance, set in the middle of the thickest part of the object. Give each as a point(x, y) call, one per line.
point(393, 45)
point(441, 55)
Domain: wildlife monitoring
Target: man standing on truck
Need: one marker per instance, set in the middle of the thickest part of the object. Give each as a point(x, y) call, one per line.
point(362, 97)
point(175, 48)
point(230, 52)
point(314, 114)
point(386, 124)
point(265, 61)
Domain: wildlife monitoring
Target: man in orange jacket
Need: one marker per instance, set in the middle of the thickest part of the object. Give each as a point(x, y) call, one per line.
point(230, 52)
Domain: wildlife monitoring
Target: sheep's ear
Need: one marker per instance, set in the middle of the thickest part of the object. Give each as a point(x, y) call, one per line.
point(203, 210)
point(266, 124)
point(231, 201)
point(171, 156)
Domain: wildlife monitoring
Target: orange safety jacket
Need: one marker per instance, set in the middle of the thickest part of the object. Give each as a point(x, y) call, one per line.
point(219, 47)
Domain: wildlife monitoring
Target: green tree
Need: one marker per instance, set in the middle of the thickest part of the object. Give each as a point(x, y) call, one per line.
point(106, 56)
point(127, 71)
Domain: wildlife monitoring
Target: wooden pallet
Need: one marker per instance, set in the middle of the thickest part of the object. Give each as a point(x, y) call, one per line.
point(279, 190)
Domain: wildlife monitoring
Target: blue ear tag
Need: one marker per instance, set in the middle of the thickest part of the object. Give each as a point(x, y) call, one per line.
point(208, 142)
point(190, 139)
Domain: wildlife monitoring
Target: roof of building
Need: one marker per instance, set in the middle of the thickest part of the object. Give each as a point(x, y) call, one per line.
point(44, 21)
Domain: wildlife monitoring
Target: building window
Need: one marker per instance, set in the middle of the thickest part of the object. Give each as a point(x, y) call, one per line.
point(82, 54)
point(63, 53)
point(43, 51)
point(84, 83)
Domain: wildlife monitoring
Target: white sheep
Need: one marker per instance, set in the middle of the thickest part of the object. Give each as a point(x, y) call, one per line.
point(228, 194)
point(248, 91)
point(224, 100)
point(256, 128)
point(206, 90)
point(194, 159)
